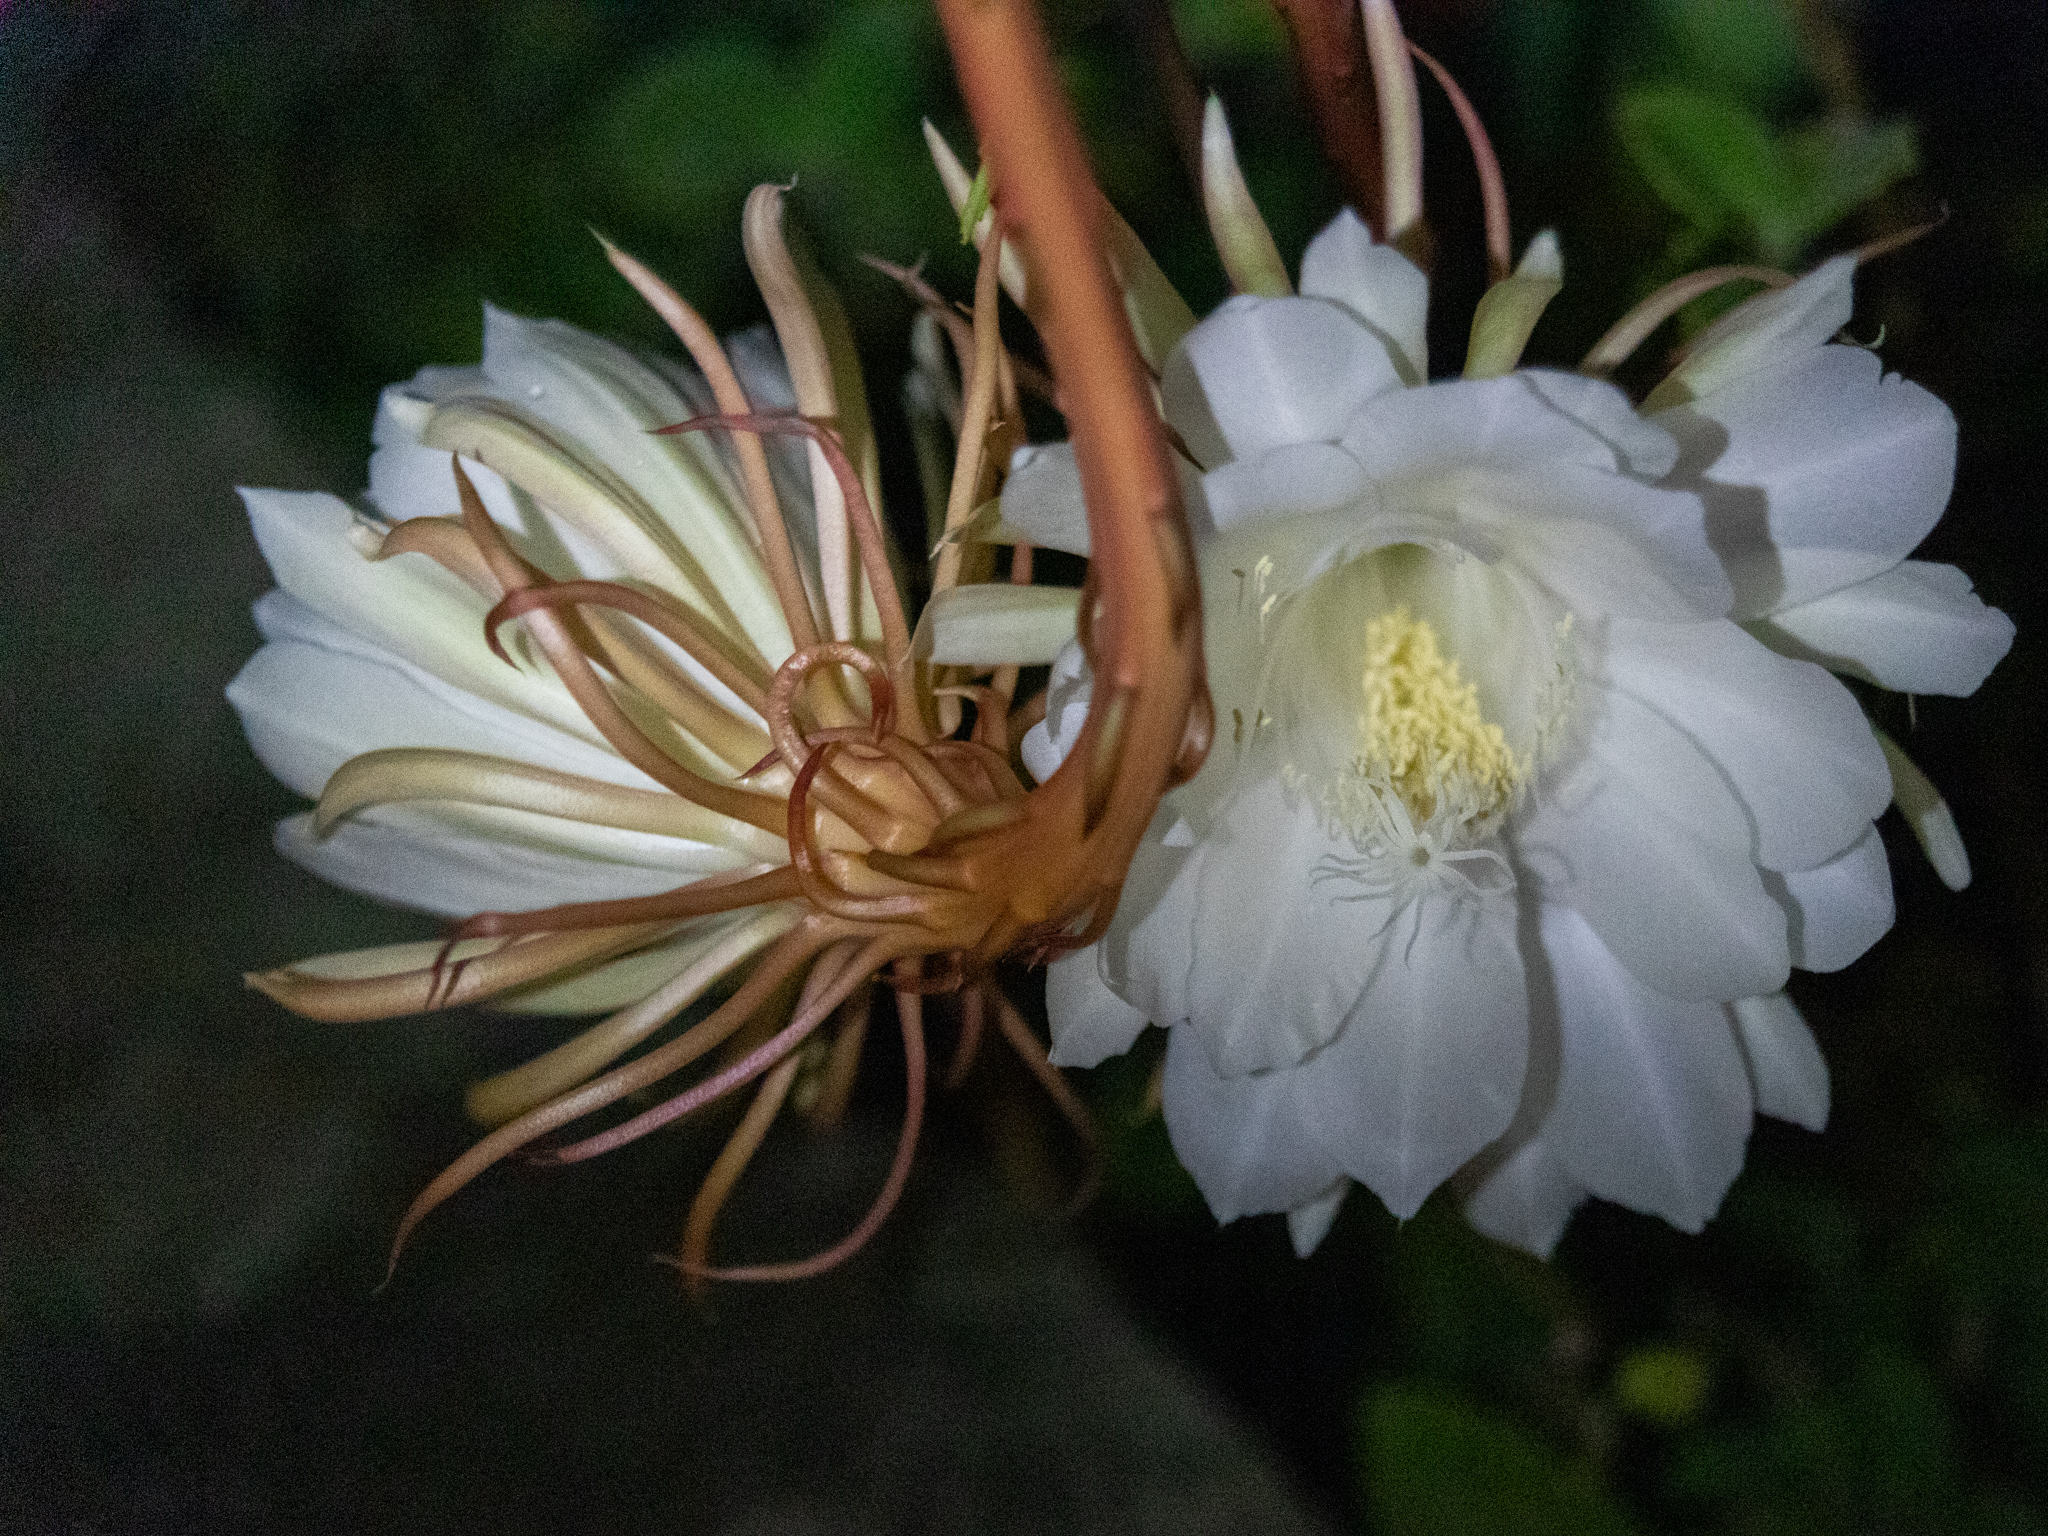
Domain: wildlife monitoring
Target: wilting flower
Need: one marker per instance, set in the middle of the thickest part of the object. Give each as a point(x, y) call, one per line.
point(645, 710)
point(1531, 781)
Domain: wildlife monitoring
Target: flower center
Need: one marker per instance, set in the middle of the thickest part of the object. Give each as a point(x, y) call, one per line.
point(1421, 732)
point(1427, 770)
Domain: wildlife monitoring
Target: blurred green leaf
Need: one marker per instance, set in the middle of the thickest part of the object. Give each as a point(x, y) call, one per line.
point(1223, 32)
point(1721, 169)
point(1837, 167)
point(1665, 1384)
point(1709, 158)
point(1474, 1311)
point(1748, 48)
point(1436, 1465)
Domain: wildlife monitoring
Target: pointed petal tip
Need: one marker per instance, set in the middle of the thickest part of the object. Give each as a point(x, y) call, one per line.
point(1544, 257)
point(1928, 814)
point(1942, 842)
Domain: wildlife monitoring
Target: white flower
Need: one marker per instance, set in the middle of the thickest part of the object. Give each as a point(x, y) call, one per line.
point(643, 707)
point(1527, 790)
point(368, 650)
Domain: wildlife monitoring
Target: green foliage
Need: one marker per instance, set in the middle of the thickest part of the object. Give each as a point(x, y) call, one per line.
point(1665, 1384)
point(1747, 49)
point(976, 204)
point(1436, 1464)
point(1723, 171)
point(1224, 32)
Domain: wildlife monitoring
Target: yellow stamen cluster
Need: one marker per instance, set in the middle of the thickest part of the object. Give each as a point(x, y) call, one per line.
point(1421, 728)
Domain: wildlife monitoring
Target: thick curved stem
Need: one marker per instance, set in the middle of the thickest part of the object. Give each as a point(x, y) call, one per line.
point(1336, 77)
point(1145, 634)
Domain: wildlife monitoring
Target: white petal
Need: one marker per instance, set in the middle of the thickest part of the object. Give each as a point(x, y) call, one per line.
point(402, 857)
point(1785, 1064)
point(1527, 1201)
point(1658, 763)
point(1090, 1023)
point(1259, 373)
point(628, 979)
point(1298, 480)
point(1042, 502)
point(1308, 1225)
point(1041, 757)
point(1428, 1067)
point(1917, 628)
point(1042, 497)
point(409, 479)
point(601, 397)
point(1771, 328)
point(1377, 284)
point(1653, 1102)
point(992, 624)
point(1241, 1137)
point(1145, 956)
point(1793, 742)
point(1261, 961)
point(1528, 459)
point(309, 705)
point(407, 605)
point(1645, 840)
point(1068, 691)
point(1840, 909)
point(1640, 447)
point(1507, 423)
point(1817, 472)
point(1602, 542)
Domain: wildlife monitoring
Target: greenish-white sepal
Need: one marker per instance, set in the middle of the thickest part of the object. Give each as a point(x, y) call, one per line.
point(959, 187)
point(1243, 241)
point(975, 209)
point(1933, 823)
point(824, 369)
point(993, 624)
point(984, 525)
point(409, 774)
point(1159, 316)
point(585, 494)
point(624, 981)
point(1511, 307)
point(1758, 332)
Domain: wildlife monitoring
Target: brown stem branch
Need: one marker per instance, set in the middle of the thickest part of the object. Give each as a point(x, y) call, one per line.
point(1329, 53)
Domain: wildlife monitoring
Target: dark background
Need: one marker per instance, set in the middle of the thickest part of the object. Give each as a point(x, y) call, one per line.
point(224, 226)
